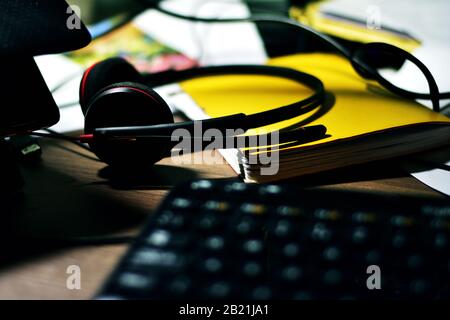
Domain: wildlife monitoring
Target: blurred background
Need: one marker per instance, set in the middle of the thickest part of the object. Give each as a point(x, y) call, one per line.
point(94, 10)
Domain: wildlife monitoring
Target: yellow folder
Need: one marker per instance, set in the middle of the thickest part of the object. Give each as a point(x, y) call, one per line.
point(354, 107)
point(344, 28)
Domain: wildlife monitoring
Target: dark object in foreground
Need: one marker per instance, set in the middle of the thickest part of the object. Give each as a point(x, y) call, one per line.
point(219, 240)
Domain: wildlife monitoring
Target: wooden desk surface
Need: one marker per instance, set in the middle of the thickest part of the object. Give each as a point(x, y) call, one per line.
point(69, 195)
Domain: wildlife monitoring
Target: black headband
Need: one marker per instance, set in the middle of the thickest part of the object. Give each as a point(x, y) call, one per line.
point(235, 121)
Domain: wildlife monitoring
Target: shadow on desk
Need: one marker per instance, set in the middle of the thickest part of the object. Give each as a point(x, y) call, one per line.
point(159, 177)
point(56, 205)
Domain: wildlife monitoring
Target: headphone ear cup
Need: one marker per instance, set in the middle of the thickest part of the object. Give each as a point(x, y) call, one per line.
point(128, 104)
point(103, 74)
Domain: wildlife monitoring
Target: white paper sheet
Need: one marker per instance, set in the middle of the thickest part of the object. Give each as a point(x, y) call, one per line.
point(437, 179)
point(212, 44)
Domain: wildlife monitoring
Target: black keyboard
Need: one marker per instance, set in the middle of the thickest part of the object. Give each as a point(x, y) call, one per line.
point(230, 240)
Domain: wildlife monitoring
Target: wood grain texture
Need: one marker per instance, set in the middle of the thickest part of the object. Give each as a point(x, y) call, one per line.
point(70, 195)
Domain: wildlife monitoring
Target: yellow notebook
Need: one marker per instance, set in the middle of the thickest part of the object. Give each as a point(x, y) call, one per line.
point(364, 122)
point(348, 29)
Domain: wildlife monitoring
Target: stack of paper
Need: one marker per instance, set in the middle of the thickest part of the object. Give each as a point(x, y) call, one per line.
point(364, 122)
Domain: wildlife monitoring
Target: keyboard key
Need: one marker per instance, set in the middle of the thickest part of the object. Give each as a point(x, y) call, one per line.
point(327, 215)
point(246, 226)
point(180, 286)
point(181, 203)
point(217, 206)
point(440, 242)
point(261, 293)
point(332, 254)
point(214, 243)
point(212, 266)
point(218, 290)
point(436, 211)
point(291, 250)
point(421, 288)
point(440, 225)
point(361, 236)
point(135, 281)
point(166, 260)
point(236, 187)
point(209, 222)
point(364, 218)
point(321, 233)
point(271, 189)
point(203, 185)
point(159, 238)
point(166, 239)
point(170, 220)
point(253, 247)
point(400, 240)
point(287, 278)
point(284, 229)
point(289, 211)
point(252, 270)
point(401, 221)
point(292, 273)
point(253, 209)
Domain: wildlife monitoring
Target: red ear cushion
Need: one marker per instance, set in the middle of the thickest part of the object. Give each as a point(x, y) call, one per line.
point(103, 74)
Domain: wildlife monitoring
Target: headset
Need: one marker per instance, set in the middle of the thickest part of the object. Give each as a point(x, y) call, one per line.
point(127, 124)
